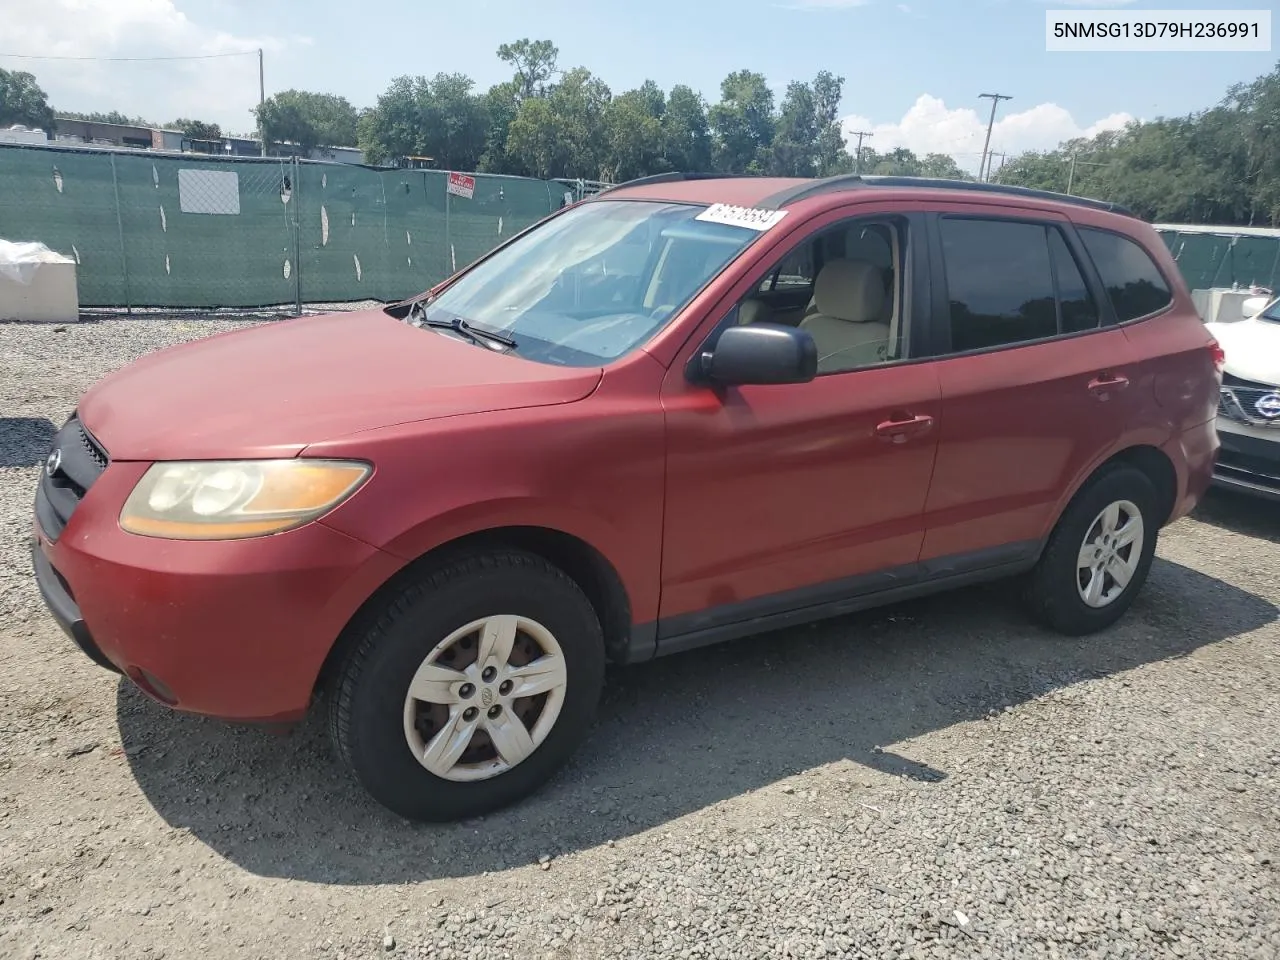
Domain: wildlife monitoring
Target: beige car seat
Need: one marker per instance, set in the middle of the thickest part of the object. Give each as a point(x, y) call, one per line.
point(847, 328)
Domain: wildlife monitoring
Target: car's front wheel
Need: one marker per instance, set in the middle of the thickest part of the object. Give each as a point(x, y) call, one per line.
point(470, 688)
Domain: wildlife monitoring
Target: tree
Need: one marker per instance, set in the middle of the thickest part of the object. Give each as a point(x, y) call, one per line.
point(440, 118)
point(686, 134)
point(743, 123)
point(309, 120)
point(197, 129)
point(635, 141)
point(538, 140)
point(534, 62)
point(22, 101)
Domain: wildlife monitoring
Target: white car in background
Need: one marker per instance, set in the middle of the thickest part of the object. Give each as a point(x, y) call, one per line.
point(1249, 408)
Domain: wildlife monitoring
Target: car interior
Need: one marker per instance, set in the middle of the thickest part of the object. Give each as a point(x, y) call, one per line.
point(843, 287)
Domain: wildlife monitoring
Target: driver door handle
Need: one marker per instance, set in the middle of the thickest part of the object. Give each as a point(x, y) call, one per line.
point(903, 429)
point(1104, 384)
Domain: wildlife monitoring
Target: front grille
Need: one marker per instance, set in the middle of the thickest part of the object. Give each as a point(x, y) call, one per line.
point(1239, 401)
point(75, 462)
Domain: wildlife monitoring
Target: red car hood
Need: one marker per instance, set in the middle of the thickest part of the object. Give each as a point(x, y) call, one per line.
point(270, 391)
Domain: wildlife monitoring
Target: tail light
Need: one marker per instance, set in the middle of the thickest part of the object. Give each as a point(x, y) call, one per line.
point(1218, 354)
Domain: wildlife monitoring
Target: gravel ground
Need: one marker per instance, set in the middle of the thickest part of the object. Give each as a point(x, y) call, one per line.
point(933, 780)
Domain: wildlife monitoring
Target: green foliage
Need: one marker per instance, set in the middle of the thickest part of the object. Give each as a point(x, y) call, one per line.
point(113, 116)
point(309, 120)
point(22, 101)
point(197, 129)
point(1219, 166)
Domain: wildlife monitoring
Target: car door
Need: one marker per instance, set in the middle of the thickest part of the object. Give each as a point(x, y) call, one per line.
point(786, 497)
point(1035, 387)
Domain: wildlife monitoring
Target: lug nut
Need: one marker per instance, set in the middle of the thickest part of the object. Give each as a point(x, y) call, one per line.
point(467, 691)
point(495, 711)
point(489, 674)
point(470, 714)
point(506, 687)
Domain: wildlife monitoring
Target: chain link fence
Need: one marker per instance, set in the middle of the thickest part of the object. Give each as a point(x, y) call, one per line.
point(1226, 258)
point(196, 232)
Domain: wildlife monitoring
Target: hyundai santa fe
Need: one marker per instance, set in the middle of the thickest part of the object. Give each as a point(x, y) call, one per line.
point(685, 410)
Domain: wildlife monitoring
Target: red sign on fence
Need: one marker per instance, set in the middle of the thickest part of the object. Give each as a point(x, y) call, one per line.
point(460, 185)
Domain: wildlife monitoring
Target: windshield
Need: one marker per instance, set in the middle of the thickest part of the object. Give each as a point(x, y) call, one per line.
point(1272, 312)
point(595, 282)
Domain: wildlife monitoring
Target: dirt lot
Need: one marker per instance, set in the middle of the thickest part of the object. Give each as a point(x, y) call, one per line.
point(934, 780)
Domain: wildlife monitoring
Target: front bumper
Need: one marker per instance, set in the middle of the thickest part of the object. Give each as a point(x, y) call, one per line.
point(1248, 463)
point(233, 629)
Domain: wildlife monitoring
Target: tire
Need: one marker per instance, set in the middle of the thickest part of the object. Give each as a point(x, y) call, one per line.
point(1056, 591)
point(376, 727)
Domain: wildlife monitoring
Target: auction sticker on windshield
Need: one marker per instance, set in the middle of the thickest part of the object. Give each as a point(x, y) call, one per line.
point(753, 218)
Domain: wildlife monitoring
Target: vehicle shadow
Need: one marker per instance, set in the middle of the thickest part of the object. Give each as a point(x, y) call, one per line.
point(25, 441)
point(674, 736)
point(1240, 513)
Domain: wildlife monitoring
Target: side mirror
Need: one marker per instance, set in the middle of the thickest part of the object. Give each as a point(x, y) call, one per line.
point(761, 353)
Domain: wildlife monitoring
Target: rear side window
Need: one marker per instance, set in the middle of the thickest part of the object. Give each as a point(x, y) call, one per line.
point(1079, 312)
point(1011, 282)
point(1133, 281)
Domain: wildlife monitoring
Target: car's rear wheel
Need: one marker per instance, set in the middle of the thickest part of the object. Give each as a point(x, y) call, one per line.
point(470, 688)
point(1099, 554)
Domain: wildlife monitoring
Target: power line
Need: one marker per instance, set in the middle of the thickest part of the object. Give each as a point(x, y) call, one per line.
point(193, 56)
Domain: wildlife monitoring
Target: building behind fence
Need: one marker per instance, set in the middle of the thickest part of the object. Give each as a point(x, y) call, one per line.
point(156, 230)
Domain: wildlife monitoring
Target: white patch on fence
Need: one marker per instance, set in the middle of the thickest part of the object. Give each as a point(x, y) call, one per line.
point(353, 218)
point(324, 181)
point(288, 268)
point(57, 179)
point(155, 176)
point(164, 221)
point(166, 263)
point(359, 272)
point(453, 258)
point(499, 226)
point(408, 238)
point(324, 227)
point(409, 260)
point(209, 191)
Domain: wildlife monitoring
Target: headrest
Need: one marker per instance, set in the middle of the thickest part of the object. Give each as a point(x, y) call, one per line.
point(851, 290)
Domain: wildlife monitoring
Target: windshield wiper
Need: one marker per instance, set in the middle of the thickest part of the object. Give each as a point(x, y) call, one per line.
point(477, 335)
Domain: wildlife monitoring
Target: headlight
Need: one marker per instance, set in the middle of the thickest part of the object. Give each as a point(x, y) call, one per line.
point(234, 499)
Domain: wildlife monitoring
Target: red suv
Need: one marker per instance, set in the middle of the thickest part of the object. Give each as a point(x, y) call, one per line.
point(683, 411)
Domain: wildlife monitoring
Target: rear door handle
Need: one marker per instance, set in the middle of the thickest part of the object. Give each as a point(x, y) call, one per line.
point(1103, 385)
point(902, 430)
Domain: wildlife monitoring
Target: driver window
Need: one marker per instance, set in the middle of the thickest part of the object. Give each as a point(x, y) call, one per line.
point(855, 311)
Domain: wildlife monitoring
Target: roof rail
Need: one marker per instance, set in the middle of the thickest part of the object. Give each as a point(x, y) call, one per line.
point(855, 181)
point(673, 177)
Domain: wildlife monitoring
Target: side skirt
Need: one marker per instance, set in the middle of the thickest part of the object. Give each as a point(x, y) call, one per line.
point(811, 604)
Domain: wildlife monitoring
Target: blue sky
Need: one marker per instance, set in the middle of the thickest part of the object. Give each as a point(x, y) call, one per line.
point(913, 70)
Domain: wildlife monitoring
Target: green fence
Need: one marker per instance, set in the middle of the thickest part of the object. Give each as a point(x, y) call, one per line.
point(160, 230)
point(1222, 260)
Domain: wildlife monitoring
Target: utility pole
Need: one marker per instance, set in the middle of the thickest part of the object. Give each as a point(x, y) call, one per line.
point(1071, 175)
point(857, 157)
point(262, 99)
point(995, 99)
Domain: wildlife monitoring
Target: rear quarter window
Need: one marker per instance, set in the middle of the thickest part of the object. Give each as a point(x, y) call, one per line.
point(1134, 283)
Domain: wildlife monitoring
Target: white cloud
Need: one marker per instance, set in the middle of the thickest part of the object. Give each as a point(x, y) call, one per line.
point(930, 126)
point(222, 90)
